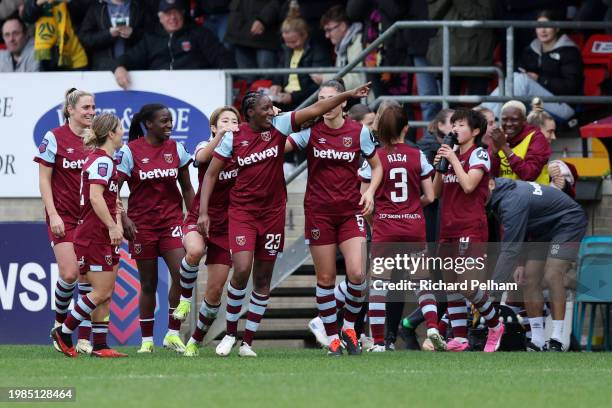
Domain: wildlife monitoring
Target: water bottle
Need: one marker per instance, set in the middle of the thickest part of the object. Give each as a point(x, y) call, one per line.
point(451, 141)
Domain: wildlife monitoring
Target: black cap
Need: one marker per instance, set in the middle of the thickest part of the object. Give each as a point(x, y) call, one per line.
point(165, 5)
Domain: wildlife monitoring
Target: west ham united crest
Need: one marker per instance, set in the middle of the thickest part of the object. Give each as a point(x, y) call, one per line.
point(347, 141)
point(266, 136)
point(168, 157)
point(137, 248)
point(315, 233)
point(108, 259)
point(241, 240)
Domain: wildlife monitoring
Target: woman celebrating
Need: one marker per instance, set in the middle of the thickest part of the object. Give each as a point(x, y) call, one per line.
point(151, 164)
point(257, 202)
point(398, 218)
point(334, 210)
point(218, 257)
point(60, 157)
point(97, 236)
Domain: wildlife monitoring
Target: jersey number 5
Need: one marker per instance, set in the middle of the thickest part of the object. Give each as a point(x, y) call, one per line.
point(401, 186)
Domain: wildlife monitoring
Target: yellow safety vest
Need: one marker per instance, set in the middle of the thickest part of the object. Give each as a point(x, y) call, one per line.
point(520, 150)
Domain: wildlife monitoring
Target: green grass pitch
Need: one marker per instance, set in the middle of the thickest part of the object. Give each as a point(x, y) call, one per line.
point(308, 378)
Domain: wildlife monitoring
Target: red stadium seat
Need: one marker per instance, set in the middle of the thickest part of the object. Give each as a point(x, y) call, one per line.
point(597, 57)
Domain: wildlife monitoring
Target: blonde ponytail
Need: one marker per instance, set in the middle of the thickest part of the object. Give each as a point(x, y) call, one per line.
point(100, 128)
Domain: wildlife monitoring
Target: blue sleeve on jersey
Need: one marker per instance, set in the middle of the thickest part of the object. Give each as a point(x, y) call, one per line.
point(365, 171)
point(226, 146)
point(283, 123)
point(426, 168)
point(199, 147)
point(101, 170)
point(301, 138)
point(366, 141)
point(48, 148)
point(480, 159)
point(184, 157)
point(127, 160)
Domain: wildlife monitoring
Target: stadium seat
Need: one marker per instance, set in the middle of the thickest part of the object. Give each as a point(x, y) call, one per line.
point(594, 287)
point(597, 58)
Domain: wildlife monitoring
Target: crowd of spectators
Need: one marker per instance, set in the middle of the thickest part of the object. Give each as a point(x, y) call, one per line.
point(124, 35)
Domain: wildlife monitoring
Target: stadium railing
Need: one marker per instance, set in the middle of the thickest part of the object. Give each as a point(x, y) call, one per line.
point(296, 254)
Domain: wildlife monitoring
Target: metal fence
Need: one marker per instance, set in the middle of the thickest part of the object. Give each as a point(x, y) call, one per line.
point(506, 93)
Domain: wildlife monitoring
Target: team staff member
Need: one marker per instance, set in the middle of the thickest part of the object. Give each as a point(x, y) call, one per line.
point(546, 215)
point(97, 236)
point(334, 210)
point(257, 201)
point(60, 157)
point(151, 164)
point(518, 150)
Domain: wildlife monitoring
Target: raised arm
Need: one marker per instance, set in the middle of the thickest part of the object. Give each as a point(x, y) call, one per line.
point(320, 107)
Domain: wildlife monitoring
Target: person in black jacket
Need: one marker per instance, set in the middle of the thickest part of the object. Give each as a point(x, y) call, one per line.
point(550, 65)
point(289, 91)
point(110, 29)
point(253, 31)
point(173, 45)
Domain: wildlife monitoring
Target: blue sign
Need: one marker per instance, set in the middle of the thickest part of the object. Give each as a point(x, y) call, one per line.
point(189, 125)
point(28, 274)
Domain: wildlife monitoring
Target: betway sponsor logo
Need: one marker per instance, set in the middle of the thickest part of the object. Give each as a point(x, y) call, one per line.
point(113, 187)
point(228, 175)
point(258, 156)
point(158, 173)
point(72, 164)
point(450, 178)
point(333, 154)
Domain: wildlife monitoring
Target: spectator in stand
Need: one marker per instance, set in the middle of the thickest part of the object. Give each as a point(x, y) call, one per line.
point(563, 175)
point(551, 65)
point(173, 45)
point(253, 31)
point(468, 46)
point(346, 38)
point(298, 52)
point(9, 7)
point(216, 15)
point(19, 53)
point(110, 29)
point(518, 150)
point(362, 113)
point(311, 11)
point(406, 48)
point(56, 44)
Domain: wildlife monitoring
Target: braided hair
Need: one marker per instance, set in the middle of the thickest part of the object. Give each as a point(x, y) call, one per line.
point(137, 127)
point(249, 101)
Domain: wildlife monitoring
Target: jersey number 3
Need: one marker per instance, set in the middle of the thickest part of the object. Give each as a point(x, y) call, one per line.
point(400, 176)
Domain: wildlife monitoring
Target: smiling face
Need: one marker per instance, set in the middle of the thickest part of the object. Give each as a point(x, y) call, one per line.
point(225, 122)
point(172, 20)
point(83, 112)
point(160, 126)
point(329, 92)
point(261, 114)
point(512, 122)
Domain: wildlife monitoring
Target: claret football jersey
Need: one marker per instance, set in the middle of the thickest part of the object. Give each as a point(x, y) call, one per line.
point(333, 160)
point(152, 171)
point(63, 150)
point(259, 157)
